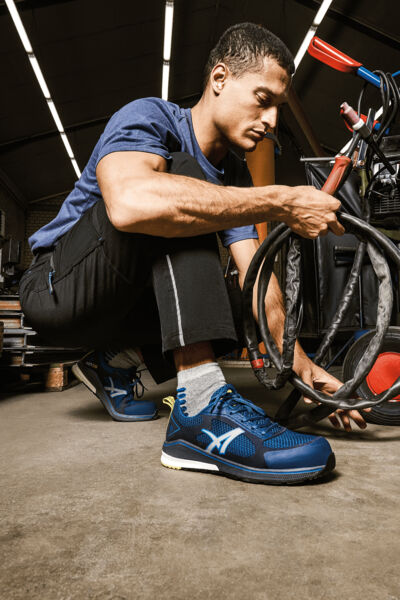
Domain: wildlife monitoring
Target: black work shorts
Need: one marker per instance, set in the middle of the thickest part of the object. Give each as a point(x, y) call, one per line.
point(100, 287)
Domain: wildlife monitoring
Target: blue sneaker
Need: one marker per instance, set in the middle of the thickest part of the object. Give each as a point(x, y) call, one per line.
point(115, 388)
point(231, 436)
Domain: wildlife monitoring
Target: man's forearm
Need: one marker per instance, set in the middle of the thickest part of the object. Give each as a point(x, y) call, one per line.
point(141, 197)
point(177, 206)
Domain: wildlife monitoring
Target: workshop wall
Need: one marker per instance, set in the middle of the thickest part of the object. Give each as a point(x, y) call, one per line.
point(37, 216)
point(14, 214)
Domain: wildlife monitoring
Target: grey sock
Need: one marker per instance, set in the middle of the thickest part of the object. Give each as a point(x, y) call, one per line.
point(200, 383)
point(122, 359)
point(128, 358)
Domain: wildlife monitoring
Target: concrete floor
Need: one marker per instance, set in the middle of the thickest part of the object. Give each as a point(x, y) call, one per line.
point(88, 512)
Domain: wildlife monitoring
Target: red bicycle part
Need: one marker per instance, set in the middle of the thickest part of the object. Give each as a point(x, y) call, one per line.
point(384, 373)
point(364, 118)
point(335, 176)
point(349, 115)
point(332, 57)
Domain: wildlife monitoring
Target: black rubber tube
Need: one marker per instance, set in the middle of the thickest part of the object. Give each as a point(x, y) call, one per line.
point(343, 306)
point(378, 246)
point(320, 412)
point(280, 233)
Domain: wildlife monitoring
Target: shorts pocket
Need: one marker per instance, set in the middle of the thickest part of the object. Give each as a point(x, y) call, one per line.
point(68, 256)
point(34, 276)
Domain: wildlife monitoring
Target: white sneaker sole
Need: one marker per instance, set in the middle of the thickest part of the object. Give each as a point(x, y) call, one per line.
point(79, 375)
point(181, 463)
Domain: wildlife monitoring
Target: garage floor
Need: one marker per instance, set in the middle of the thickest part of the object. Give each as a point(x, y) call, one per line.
point(88, 512)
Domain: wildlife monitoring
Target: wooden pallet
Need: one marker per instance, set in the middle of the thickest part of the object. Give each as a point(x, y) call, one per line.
point(57, 378)
point(22, 346)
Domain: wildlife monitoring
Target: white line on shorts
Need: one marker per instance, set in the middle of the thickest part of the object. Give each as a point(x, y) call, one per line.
point(178, 310)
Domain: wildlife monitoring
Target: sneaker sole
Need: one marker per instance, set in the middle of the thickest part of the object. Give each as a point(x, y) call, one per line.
point(93, 383)
point(201, 461)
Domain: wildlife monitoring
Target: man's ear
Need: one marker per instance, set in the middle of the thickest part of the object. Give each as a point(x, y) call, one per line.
point(218, 77)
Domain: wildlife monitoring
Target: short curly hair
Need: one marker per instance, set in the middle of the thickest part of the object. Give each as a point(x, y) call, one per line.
point(243, 46)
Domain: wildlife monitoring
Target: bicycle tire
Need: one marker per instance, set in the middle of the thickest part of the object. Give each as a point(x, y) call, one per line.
point(387, 413)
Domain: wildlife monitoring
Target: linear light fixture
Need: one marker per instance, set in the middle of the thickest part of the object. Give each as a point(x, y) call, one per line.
point(311, 32)
point(168, 27)
point(41, 80)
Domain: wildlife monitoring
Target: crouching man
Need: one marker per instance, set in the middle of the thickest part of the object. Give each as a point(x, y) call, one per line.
point(131, 262)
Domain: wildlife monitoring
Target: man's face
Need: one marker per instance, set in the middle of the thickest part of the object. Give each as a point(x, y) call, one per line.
point(247, 106)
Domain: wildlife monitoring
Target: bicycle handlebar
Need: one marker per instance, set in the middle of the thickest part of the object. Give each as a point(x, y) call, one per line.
point(336, 59)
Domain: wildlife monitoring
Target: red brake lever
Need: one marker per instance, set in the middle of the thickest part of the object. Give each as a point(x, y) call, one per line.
point(332, 57)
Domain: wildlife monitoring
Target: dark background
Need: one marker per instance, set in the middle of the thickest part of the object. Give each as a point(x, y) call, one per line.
point(97, 55)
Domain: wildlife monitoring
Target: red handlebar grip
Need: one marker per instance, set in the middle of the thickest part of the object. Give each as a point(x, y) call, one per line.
point(331, 56)
point(335, 176)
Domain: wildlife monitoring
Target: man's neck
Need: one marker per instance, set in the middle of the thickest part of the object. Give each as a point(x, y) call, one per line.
point(211, 143)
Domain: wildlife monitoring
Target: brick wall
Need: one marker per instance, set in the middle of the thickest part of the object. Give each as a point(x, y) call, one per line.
point(14, 213)
point(38, 215)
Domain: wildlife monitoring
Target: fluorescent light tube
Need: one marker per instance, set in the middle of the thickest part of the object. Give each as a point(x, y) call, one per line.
point(168, 25)
point(56, 118)
point(311, 32)
point(165, 81)
point(76, 168)
point(19, 26)
point(168, 28)
point(322, 12)
point(67, 145)
point(43, 86)
point(303, 48)
point(39, 75)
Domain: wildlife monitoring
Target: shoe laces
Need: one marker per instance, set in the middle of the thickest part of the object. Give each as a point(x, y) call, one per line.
point(228, 397)
point(181, 399)
point(137, 386)
point(130, 381)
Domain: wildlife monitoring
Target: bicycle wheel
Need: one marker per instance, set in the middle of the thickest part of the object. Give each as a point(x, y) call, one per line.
point(382, 375)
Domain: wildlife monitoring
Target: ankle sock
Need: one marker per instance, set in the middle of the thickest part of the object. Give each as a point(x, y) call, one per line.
point(200, 383)
point(122, 359)
point(127, 359)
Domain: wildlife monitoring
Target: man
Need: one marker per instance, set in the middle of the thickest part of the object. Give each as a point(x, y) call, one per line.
point(131, 262)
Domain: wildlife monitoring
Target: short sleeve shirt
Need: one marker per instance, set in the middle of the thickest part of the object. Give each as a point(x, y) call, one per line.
point(146, 125)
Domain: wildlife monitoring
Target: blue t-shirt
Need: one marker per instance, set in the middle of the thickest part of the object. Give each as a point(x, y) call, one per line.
point(145, 125)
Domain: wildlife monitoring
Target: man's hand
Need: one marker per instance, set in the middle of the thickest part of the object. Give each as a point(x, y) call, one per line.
point(320, 380)
point(310, 212)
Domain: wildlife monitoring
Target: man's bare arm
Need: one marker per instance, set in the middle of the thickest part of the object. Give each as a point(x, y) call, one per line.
point(141, 197)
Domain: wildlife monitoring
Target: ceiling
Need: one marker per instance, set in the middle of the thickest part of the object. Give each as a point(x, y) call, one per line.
point(97, 55)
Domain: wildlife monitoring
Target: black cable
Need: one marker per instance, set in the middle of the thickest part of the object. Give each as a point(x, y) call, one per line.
point(320, 412)
point(384, 92)
point(378, 245)
point(250, 331)
point(344, 306)
point(360, 97)
point(379, 248)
